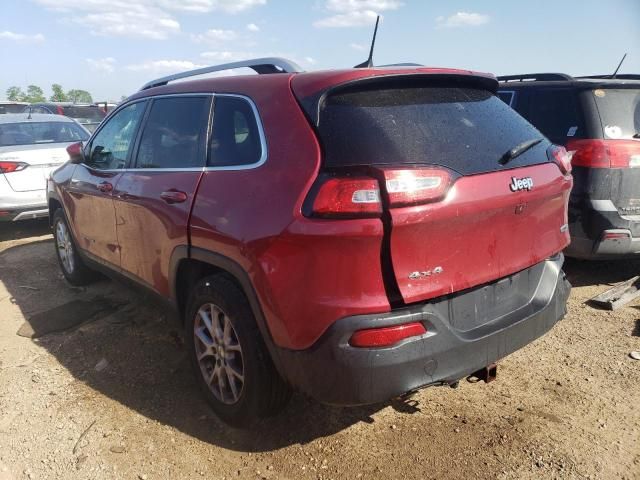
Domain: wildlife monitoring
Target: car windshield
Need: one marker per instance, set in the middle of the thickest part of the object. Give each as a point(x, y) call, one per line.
point(36, 133)
point(88, 114)
point(619, 111)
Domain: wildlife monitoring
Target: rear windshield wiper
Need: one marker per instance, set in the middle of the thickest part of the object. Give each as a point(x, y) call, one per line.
point(518, 150)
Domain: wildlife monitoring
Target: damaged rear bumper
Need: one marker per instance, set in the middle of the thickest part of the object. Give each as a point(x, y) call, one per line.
point(465, 332)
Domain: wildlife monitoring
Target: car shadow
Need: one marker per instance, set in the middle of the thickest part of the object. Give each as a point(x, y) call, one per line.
point(583, 272)
point(127, 347)
point(24, 229)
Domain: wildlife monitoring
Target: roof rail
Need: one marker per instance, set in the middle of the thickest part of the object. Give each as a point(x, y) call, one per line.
point(404, 64)
point(619, 76)
point(259, 65)
point(535, 77)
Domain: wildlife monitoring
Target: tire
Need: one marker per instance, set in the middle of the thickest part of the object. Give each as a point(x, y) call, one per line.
point(72, 266)
point(232, 367)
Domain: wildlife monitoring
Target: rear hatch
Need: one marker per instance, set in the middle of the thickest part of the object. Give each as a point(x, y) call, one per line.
point(455, 216)
point(35, 164)
point(30, 150)
point(618, 153)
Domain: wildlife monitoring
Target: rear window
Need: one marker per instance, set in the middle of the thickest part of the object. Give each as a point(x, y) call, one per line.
point(11, 108)
point(506, 96)
point(40, 132)
point(556, 113)
point(465, 129)
point(619, 112)
point(88, 114)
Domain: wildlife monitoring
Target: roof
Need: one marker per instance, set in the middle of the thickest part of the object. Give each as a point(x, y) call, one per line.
point(307, 82)
point(11, 102)
point(35, 117)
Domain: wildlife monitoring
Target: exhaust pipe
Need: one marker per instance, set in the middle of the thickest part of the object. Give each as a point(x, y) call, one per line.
point(486, 374)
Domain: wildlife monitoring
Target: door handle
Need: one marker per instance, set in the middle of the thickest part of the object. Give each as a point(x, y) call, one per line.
point(173, 196)
point(105, 187)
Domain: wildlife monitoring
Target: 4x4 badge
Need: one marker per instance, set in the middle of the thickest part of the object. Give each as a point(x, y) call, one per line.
point(428, 273)
point(525, 183)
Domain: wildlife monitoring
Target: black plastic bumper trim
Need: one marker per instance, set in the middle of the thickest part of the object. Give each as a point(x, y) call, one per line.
point(333, 372)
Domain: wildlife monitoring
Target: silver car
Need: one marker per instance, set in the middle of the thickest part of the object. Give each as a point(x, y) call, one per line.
point(31, 146)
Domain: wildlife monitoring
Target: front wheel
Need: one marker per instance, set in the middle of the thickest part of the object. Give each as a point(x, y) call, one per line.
point(230, 360)
point(72, 266)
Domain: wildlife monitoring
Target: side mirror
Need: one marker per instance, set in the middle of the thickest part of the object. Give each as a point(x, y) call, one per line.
point(76, 153)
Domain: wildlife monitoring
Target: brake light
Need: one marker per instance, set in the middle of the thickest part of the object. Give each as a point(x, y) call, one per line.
point(348, 197)
point(411, 186)
point(561, 157)
point(386, 336)
point(605, 153)
point(60, 110)
point(8, 167)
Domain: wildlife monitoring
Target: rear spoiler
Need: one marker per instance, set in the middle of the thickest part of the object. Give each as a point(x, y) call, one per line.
point(311, 104)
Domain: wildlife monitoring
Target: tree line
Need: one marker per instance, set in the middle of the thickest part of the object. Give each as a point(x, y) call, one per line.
point(35, 94)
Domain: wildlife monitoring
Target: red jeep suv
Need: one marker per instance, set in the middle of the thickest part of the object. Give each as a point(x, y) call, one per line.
point(355, 234)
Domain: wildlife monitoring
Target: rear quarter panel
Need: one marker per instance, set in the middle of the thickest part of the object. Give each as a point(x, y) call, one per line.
point(306, 273)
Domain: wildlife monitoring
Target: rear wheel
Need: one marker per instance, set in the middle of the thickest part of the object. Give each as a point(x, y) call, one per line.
point(72, 266)
point(228, 355)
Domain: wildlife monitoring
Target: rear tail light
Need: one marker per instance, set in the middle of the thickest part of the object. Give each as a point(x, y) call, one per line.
point(348, 197)
point(8, 167)
point(561, 157)
point(386, 336)
point(416, 185)
point(60, 110)
point(605, 153)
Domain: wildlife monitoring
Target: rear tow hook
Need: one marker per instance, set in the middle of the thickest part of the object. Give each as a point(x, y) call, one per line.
point(486, 374)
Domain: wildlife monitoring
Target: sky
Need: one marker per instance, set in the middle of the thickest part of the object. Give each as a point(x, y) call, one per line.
point(112, 47)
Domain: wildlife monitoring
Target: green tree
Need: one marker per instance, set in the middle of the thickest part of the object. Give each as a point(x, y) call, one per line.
point(79, 96)
point(58, 93)
point(34, 94)
point(15, 94)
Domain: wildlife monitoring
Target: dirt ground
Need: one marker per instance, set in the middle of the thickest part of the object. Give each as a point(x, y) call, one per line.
point(112, 396)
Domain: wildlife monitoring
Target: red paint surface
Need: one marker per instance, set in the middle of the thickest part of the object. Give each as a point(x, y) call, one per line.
point(310, 272)
point(475, 234)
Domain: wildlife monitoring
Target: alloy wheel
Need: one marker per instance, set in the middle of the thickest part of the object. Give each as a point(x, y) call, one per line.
point(65, 247)
point(219, 353)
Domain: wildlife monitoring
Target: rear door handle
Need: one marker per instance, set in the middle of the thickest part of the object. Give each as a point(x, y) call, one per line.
point(173, 196)
point(105, 187)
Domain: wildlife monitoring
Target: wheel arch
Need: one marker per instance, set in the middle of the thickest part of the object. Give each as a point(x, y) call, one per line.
point(53, 204)
point(188, 265)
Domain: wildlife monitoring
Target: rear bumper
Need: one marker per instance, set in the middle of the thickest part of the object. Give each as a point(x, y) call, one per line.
point(21, 205)
point(589, 227)
point(333, 372)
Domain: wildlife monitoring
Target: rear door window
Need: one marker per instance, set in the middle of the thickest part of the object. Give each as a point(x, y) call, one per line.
point(619, 111)
point(174, 133)
point(555, 112)
point(465, 129)
point(236, 138)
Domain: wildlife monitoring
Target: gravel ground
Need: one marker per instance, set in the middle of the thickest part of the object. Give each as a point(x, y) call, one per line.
point(112, 396)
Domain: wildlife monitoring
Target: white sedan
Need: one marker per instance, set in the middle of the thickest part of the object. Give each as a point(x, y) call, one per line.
point(31, 146)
